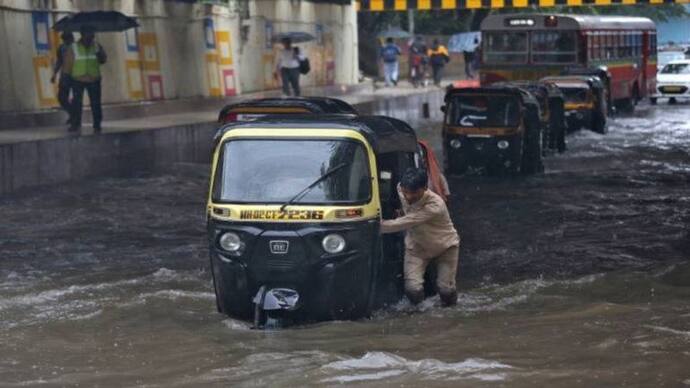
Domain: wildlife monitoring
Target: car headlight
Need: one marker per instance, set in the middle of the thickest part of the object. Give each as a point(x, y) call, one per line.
point(333, 243)
point(455, 143)
point(502, 144)
point(231, 242)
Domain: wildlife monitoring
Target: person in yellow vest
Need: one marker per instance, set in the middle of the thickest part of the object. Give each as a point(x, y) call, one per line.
point(438, 56)
point(83, 64)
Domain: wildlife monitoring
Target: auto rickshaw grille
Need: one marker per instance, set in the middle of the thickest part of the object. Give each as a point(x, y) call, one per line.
point(281, 264)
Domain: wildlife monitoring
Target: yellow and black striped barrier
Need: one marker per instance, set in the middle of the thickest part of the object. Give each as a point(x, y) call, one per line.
point(402, 5)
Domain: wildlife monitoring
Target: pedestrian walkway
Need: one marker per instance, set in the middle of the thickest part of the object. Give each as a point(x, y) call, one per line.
point(153, 115)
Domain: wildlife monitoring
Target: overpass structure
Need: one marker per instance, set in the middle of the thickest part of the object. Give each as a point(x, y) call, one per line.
point(402, 5)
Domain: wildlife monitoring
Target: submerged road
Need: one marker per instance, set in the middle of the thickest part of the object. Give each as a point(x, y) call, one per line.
point(579, 276)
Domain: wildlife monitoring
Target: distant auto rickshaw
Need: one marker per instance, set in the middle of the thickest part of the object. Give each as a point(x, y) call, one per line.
point(254, 109)
point(496, 127)
point(585, 101)
point(297, 238)
point(552, 107)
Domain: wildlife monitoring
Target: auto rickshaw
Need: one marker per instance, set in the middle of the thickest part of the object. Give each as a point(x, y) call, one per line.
point(585, 101)
point(552, 108)
point(295, 239)
point(253, 109)
point(496, 127)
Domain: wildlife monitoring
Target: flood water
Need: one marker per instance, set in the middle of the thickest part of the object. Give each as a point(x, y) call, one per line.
point(577, 277)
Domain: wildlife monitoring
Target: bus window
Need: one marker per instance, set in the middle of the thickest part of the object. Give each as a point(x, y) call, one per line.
point(553, 47)
point(505, 47)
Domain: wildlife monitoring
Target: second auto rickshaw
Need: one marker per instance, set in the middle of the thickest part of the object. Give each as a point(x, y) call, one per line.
point(585, 101)
point(297, 238)
point(552, 108)
point(496, 127)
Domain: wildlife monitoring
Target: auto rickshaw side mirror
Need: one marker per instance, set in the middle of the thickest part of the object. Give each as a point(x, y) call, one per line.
point(385, 184)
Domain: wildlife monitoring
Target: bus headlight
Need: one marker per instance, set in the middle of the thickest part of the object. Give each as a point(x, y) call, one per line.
point(231, 242)
point(502, 144)
point(333, 243)
point(455, 143)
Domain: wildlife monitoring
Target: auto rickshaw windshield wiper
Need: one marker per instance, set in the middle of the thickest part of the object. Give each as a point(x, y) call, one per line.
point(313, 184)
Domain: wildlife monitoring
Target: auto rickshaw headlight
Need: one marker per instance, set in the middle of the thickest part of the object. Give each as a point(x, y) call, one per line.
point(333, 243)
point(502, 144)
point(455, 143)
point(231, 242)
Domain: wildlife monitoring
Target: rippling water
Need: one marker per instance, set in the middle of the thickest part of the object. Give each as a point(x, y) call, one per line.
point(577, 277)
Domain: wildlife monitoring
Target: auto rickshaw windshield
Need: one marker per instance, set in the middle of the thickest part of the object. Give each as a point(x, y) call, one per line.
point(275, 170)
point(575, 94)
point(484, 111)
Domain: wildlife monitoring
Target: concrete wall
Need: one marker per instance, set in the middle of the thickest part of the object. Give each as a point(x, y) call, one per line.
point(180, 49)
point(39, 163)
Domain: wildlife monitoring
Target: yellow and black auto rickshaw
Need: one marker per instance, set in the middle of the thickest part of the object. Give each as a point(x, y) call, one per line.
point(585, 101)
point(293, 215)
point(496, 127)
point(552, 107)
point(257, 108)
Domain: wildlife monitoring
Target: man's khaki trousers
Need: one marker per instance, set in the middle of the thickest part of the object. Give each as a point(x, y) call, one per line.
point(446, 271)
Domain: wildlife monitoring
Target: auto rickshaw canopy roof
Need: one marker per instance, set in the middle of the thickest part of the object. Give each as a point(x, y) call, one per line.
point(547, 88)
point(505, 89)
point(310, 104)
point(384, 134)
point(589, 81)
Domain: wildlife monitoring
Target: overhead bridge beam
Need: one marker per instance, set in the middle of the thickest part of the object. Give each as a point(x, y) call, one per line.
point(402, 5)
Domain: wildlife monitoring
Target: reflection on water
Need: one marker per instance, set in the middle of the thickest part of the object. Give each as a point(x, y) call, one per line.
point(577, 277)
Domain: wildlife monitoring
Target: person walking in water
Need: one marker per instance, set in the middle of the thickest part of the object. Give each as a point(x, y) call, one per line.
point(390, 54)
point(438, 56)
point(83, 64)
point(431, 237)
point(287, 67)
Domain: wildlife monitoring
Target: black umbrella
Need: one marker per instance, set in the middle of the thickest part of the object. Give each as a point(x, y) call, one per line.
point(100, 21)
point(295, 37)
point(395, 33)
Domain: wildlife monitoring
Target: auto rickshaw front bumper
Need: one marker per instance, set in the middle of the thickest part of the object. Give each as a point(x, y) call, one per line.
point(305, 283)
point(463, 151)
point(578, 118)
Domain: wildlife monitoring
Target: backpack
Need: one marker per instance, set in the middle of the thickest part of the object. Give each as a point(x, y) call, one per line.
point(304, 66)
point(390, 53)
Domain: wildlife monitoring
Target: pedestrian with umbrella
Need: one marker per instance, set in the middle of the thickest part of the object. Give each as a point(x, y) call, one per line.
point(84, 66)
point(83, 62)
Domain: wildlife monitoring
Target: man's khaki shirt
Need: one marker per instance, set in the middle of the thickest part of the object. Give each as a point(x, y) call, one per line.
point(430, 231)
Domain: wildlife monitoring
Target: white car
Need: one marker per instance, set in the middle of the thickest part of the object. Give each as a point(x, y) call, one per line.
point(673, 81)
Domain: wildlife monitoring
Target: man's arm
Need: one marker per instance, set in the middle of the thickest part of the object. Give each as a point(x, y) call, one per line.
point(407, 221)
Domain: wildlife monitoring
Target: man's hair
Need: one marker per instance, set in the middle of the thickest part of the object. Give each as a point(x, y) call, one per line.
point(414, 179)
point(389, 40)
point(67, 36)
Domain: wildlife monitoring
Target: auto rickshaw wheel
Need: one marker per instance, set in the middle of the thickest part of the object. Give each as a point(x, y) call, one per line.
point(532, 162)
point(652, 100)
point(672, 101)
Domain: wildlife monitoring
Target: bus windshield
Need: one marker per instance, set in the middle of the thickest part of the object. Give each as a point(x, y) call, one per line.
point(554, 47)
point(268, 171)
point(485, 111)
point(505, 47)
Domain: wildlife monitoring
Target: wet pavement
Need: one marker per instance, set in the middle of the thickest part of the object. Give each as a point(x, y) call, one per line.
point(577, 277)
